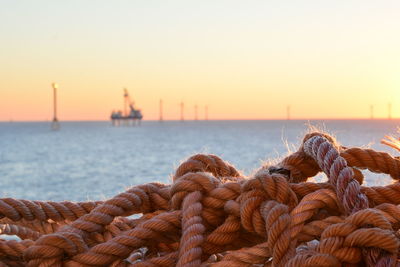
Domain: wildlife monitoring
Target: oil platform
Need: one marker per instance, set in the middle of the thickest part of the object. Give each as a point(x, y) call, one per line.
point(133, 117)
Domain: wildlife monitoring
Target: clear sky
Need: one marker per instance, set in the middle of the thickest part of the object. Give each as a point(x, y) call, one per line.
point(244, 59)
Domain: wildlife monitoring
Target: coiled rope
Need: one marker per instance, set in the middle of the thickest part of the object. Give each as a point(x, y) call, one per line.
point(212, 215)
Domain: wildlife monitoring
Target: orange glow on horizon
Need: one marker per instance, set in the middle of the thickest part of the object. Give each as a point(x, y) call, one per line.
point(242, 61)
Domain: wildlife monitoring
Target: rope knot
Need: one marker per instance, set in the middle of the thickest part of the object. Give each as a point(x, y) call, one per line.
point(206, 163)
point(191, 182)
point(259, 189)
point(367, 228)
point(340, 175)
point(56, 246)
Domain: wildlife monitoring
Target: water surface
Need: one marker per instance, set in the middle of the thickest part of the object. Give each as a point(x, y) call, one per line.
point(93, 160)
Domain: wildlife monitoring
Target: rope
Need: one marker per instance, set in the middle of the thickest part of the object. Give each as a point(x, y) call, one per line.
point(212, 215)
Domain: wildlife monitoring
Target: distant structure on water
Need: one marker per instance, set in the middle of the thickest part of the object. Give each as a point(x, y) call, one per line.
point(161, 110)
point(133, 117)
point(371, 110)
point(182, 110)
point(55, 125)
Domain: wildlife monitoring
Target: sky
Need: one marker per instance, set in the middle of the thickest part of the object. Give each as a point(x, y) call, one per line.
point(242, 59)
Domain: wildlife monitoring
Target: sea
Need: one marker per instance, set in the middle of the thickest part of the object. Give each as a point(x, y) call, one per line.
point(93, 160)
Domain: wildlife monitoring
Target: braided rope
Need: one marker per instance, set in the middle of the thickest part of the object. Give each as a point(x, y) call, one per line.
point(211, 215)
point(190, 250)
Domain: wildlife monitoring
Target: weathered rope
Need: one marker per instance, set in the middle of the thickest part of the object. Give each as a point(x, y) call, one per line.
point(17, 209)
point(211, 215)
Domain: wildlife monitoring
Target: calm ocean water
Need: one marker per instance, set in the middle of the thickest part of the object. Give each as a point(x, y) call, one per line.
point(93, 160)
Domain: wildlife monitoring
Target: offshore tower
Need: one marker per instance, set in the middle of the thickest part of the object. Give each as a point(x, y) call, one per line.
point(131, 117)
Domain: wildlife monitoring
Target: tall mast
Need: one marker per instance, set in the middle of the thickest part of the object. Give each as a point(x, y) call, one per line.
point(126, 95)
point(371, 109)
point(55, 124)
point(161, 110)
point(182, 107)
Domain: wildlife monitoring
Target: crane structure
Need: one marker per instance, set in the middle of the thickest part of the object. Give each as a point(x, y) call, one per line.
point(132, 116)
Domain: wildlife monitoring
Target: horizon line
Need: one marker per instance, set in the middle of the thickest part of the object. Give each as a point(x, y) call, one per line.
point(193, 120)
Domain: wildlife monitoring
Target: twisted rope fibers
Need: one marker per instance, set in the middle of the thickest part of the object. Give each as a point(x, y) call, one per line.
point(212, 215)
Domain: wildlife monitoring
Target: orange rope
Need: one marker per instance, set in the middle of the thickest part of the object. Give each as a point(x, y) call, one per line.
point(211, 215)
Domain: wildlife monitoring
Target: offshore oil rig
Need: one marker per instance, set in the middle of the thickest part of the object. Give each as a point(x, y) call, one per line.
point(133, 117)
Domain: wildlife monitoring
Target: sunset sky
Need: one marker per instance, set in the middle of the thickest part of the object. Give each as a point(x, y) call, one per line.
point(244, 59)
